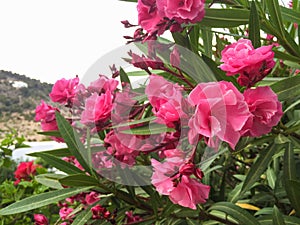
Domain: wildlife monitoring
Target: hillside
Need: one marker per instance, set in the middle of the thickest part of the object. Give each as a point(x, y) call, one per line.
point(19, 96)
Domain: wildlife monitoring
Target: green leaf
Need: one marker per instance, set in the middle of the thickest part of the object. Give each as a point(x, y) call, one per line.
point(275, 14)
point(148, 130)
point(237, 213)
point(83, 217)
point(289, 220)
point(219, 74)
point(181, 40)
point(50, 180)
point(73, 142)
point(292, 186)
point(224, 18)
point(60, 164)
point(286, 56)
point(37, 201)
point(287, 88)
point(148, 119)
point(124, 77)
point(207, 37)
point(79, 180)
point(259, 167)
point(62, 152)
point(254, 26)
point(277, 217)
point(271, 177)
point(290, 15)
point(292, 64)
point(54, 133)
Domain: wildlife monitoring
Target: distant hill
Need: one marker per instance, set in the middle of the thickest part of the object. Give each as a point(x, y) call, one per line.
point(19, 96)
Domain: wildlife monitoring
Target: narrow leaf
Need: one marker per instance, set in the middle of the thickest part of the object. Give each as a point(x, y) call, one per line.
point(148, 130)
point(124, 77)
point(50, 180)
point(79, 180)
point(258, 167)
point(292, 186)
point(62, 152)
point(254, 26)
point(37, 201)
point(59, 164)
point(73, 142)
point(277, 217)
point(287, 88)
point(237, 213)
point(224, 18)
point(275, 14)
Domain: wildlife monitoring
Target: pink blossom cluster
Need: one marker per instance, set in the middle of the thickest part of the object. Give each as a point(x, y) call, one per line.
point(156, 16)
point(251, 64)
point(211, 113)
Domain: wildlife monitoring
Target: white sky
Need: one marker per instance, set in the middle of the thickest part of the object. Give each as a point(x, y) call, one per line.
point(52, 39)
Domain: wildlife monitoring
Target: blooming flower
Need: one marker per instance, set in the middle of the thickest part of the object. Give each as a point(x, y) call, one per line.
point(165, 97)
point(25, 170)
point(149, 18)
point(65, 212)
point(63, 91)
point(189, 192)
point(266, 111)
point(40, 219)
point(97, 108)
point(45, 114)
point(91, 198)
point(172, 178)
point(183, 11)
point(252, 64)
point(221, 113)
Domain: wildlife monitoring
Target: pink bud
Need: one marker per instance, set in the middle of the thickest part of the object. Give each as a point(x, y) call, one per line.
point(187, 169)
point(175, 57)
point(40, 219)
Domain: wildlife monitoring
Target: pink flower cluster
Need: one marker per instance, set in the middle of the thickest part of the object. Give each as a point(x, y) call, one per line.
point(156, 16)
point(251, 64)
point(221, 112)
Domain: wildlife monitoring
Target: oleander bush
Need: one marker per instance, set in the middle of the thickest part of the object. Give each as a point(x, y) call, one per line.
point(200, 129)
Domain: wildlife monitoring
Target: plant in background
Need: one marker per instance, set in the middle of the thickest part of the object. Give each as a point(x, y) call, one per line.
point(211, 136)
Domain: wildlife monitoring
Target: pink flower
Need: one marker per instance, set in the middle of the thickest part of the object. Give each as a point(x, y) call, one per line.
point(252, 64)
point(165, 97)
point(189, 192)
point(92, 197)
point(125, 153)
point(46, 115)
point(149, 18)
point(165, 174)
point(63, 91)
point(65, 212)
point(175, 57)
point(183, 11)
point(221, 113)
point(40, 219)
point(97, 108)
point(25, 170)
point(265, 108)
point(103, 85)
point(172, 178)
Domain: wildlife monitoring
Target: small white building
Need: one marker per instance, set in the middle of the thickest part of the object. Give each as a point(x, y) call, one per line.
point(19, 84)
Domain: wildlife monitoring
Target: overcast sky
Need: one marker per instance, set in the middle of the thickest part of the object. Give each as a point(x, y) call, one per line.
point(48, 40)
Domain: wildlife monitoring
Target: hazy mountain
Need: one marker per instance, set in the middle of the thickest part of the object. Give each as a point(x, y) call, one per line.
point(19, 96)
